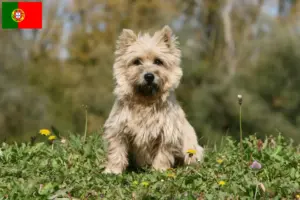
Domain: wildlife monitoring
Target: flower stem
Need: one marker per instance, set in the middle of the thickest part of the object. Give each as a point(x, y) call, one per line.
point(241, 131)
point(85, 127)
point(256, 191)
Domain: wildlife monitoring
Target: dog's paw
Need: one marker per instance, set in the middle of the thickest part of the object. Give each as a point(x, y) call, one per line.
point(112, 171)
point(161, 168)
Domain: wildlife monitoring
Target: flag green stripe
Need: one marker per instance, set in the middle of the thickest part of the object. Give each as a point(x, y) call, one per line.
point(7, 21)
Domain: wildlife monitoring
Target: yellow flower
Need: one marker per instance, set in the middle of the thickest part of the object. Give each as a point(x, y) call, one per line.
point(145, 183)
point(45, 132)
point(135, 183)
point(221, 183)
point(298, 196)
point(191, 152)
point(219, 161)
point(171, 175)
point(52, 137)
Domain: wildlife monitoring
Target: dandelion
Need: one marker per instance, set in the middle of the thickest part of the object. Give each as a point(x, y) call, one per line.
point(219, 161)
point(255, 165)
point(45, 132)
point(191, 152)
point(171, 175)
point(221, 183)
point(145, 183)
point(52, 137)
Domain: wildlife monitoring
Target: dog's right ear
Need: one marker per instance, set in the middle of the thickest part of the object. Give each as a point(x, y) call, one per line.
point(126, 38)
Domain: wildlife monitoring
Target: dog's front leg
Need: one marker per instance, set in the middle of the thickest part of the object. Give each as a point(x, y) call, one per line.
point(117, 155)
point(163, 160)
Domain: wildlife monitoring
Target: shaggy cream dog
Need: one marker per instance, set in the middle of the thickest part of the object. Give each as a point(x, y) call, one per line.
point(146, 124)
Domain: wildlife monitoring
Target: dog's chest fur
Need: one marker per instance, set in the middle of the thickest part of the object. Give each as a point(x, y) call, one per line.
point(146, 125)
point(147, 128)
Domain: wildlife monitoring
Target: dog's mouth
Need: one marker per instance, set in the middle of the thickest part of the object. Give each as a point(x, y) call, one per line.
point(147, 89)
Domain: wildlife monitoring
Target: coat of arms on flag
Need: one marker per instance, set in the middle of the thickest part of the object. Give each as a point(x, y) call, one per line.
point(18, 15)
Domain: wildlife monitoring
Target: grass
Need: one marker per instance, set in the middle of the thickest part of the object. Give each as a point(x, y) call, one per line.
point(72, 170)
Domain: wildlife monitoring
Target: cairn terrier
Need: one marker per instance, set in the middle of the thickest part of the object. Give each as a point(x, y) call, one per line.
point(146, 126)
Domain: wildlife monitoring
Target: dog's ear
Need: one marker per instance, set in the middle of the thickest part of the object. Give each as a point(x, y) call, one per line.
point(126, 38)
point(166, 35)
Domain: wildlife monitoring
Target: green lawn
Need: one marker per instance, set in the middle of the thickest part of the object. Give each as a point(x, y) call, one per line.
point(73, 169)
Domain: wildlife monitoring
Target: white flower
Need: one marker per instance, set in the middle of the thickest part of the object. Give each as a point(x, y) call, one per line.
point(63, 140)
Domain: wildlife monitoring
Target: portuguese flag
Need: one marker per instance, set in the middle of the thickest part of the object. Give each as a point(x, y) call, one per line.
point(21, 15)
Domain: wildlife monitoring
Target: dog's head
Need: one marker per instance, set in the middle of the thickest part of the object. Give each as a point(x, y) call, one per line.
point(147, 66)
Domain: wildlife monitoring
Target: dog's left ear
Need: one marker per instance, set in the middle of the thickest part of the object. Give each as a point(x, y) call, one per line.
point(166, 36)
point(126, 38)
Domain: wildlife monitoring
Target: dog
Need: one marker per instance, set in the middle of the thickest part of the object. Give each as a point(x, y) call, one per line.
point(146, 125)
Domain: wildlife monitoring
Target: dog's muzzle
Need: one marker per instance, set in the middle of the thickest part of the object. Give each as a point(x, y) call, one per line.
point(149, 87)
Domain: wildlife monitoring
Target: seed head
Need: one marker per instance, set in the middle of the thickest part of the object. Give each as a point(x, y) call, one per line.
point(240, 99)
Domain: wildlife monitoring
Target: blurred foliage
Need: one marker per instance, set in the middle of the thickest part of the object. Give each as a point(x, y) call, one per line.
point(229, 47)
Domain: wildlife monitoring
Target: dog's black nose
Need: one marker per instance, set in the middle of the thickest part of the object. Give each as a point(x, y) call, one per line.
point(149, 77)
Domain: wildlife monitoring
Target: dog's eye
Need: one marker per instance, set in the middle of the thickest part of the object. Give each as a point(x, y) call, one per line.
point(137, 62)
point(158, 62)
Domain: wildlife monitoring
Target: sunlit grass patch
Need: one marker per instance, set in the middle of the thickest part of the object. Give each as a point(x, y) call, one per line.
point(72, 168)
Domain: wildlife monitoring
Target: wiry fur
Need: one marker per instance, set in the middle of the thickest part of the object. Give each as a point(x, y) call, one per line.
point(151, 129)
